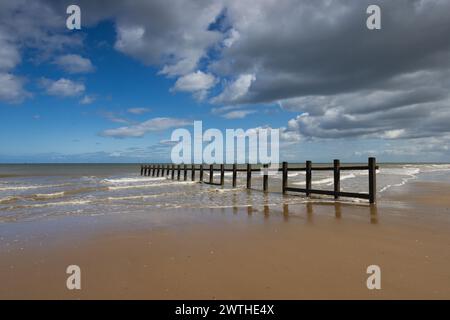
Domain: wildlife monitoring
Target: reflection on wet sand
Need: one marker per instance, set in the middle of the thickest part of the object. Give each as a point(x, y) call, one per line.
point(250, 202)
point(338, 208)
point(266, 206)
point(309, 212)
point(373, 214)
point(285, 212)
point(234, 202)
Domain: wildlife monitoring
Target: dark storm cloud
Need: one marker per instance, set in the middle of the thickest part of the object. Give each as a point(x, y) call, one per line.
point(299, 48)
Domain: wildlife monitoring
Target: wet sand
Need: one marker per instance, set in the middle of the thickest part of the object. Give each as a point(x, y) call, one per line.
point(314, 251)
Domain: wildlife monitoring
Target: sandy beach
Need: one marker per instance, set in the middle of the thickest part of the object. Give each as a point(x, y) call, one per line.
point(315, 250)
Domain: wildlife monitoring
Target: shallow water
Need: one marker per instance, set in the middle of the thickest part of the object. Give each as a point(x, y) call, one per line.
point(29, 192)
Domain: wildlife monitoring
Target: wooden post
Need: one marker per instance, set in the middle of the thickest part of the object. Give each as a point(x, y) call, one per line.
point(249, 175)
point(168, 170)
point(201, 172)
point(337, 177)
point(173, 172)
point(153, 170)
point(284, 177)
point(193, 173)
point(145, 170)
point(163, 170)
point(234, 174)
point(211, 173)
point(148, 171)
point(178, 172)
point(308, 178)
point(185, 172)
point(372, 180)
point(142, 170)
point(222, 174)
point(157, 170)
point(265, 178)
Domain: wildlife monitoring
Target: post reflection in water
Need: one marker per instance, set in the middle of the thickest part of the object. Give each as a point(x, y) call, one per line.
point(337, 210)
point(234, 202)
point(250, 202)
point(266, 206)
point(373, 211)
point(285, 212)
point(309, 211)
point(373, 214)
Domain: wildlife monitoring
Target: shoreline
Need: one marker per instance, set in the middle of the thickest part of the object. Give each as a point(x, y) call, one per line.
point(305, 251)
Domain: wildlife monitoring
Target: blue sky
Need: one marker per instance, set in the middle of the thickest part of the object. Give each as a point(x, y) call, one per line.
point(116, 89)
point(45, 124)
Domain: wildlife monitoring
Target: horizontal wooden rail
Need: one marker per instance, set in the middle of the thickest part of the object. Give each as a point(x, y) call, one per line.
point(169, 171)
point(330, 193)
point(331, 168)
point(212, 183)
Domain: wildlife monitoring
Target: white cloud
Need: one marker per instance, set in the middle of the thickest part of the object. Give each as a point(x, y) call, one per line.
point(140, 129)
point(238, 114)
point(9, 55)
point(381, 114)
point(111, 116)
point(223, 109)
point(11, 88)
point(393, 134)
point(196, 81)
point(172, 34)
point(62, 87)
point(233, 36)
point(74, 63)
point(232, 111)
point(235, 90)
point(138, 110)
point(28, 25)
point(289, 136)
point(130, 38)
point(87, 99)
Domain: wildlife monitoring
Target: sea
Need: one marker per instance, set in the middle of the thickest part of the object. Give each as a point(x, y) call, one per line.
point(39, 191)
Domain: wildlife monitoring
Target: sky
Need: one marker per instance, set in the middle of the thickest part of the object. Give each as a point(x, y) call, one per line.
point(115, 90)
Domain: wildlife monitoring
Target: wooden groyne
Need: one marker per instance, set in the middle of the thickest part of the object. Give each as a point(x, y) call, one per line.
point(174, 172)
